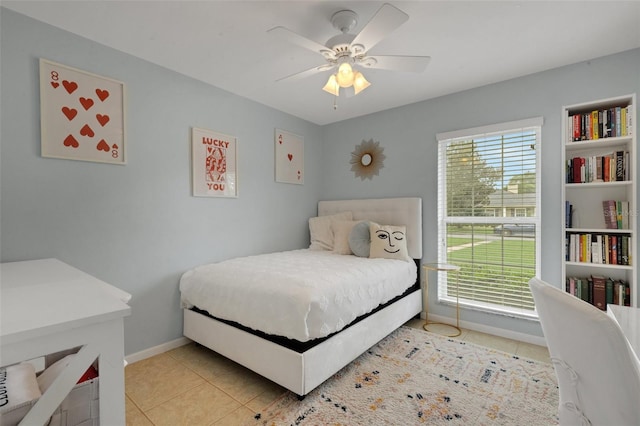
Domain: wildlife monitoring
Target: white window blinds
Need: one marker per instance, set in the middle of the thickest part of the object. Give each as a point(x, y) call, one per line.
point(488, 215)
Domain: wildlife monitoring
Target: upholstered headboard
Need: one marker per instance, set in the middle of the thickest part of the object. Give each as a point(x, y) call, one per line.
point(385, 211)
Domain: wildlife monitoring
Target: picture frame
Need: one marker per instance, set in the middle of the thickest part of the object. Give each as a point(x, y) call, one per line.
point(289, 157)
point(213, 164)
point(82, 115)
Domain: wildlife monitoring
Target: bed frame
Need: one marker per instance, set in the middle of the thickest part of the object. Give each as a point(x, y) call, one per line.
point(302, 371)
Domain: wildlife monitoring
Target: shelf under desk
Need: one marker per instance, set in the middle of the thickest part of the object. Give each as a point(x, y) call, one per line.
point(49, 306)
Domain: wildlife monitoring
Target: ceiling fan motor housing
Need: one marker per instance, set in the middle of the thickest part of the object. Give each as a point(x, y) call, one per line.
point(344, 20)
point(341, 44)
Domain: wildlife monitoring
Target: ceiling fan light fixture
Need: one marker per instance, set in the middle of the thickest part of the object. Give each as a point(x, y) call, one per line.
point(359, 82)
point(332, 86)
point(345, 75)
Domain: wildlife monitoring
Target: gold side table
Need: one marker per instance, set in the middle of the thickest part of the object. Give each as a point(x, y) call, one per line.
point(447, 267)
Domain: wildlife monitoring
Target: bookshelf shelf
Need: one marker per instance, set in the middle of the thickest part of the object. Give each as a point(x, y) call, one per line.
point(598, 143)
point(599, 158)
point(591, 185)
point(599, 265)
point(597, 231)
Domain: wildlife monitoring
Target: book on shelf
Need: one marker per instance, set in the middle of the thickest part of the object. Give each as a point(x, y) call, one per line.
point(568, 212)
point(625, 214)
point(610, 167)
point(620, 166)
point(600, 123)
point(616, 214)
point(598, 248)
point(599, 290)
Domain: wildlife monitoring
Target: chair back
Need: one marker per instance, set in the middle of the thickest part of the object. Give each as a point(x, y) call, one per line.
point(598, 373)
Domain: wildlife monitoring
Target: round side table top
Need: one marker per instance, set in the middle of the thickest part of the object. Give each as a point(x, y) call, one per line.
point(441, 267)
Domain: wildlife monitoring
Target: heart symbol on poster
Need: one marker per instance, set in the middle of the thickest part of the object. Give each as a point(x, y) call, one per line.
point(70, 113)
point(209, 149)
point(290, 157)
point(102, 119)
point(55, 84)
point(114, 146)
point(71, 141)
point(86, 103)
point(102, 94)
point(71, 86)
point(102, 146)
point(87, 131)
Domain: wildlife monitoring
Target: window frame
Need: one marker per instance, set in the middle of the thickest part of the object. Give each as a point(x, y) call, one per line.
point(444, 139)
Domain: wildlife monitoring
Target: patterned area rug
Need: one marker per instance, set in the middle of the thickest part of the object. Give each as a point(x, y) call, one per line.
point(414, 377)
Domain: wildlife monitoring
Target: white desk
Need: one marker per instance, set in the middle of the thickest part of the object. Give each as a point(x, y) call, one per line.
point(629, 321)
point(49, 306)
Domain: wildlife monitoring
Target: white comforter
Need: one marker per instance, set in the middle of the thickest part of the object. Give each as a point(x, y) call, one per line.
point(301, 294)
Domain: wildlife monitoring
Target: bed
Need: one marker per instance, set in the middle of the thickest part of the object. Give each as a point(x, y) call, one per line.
point(339, 325)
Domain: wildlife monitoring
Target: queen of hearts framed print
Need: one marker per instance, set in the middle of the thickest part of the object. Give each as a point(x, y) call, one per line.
point(213, 164)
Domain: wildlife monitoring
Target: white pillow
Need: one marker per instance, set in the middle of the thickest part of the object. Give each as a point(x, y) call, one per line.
point(17, 385)
point(46, 378)
point(389, 242)
point(360, 240)
point(321, 232)
point(341, 231)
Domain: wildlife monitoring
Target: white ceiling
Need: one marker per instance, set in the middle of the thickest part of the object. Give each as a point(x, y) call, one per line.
point(471, 43)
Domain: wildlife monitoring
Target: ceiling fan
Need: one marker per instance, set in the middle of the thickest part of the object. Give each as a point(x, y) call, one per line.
point(344, 51)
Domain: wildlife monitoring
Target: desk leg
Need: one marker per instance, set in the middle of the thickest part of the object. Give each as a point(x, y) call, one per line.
point(111, 364)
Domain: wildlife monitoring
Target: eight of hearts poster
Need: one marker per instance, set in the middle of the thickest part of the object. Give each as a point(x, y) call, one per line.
point(81, 115)
point(213, 164)
point(289, 157)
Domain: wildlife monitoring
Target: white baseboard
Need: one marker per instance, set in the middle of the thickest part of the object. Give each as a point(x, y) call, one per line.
point(514, 335)
point(156, 350)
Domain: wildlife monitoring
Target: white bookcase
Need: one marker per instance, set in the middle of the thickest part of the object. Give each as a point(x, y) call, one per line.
point(586, 197)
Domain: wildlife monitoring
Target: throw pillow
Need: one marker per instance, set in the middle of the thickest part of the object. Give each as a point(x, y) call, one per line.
point(321, 232)
point(341, 231)
point(359, 239)
point(17, 385)
point(389, 242)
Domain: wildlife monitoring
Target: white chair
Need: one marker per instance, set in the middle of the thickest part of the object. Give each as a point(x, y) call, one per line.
point(598, 373)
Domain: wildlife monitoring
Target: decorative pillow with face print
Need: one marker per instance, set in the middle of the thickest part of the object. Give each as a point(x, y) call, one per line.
point(389, 242)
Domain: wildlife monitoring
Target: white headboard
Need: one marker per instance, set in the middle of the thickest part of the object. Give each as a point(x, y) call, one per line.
point(385, 211)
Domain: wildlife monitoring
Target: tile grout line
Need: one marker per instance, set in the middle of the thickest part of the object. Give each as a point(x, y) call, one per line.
point(139, 409)
point(214, 385)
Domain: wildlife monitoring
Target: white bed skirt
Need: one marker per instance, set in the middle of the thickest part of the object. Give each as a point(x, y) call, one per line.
point(300, 372)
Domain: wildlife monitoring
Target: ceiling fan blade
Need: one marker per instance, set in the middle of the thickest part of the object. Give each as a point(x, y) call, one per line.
point(396, 63)
point(295, 38)
point(386, 19)
point(307, 73)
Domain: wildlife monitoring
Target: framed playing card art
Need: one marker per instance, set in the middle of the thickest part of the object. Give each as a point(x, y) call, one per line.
point(289, 157)
point(81, 115)
point(214, 164)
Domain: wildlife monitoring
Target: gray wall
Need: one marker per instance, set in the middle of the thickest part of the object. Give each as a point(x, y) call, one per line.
point(138, 227)
point(408, 135)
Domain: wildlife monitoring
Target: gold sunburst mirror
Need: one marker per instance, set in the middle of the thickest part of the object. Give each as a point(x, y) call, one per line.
point(367, 159)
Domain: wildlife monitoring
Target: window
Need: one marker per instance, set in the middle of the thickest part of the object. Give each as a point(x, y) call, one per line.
point(489, 215)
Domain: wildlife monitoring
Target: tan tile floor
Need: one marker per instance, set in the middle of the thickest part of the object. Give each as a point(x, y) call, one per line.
point(194, 386)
